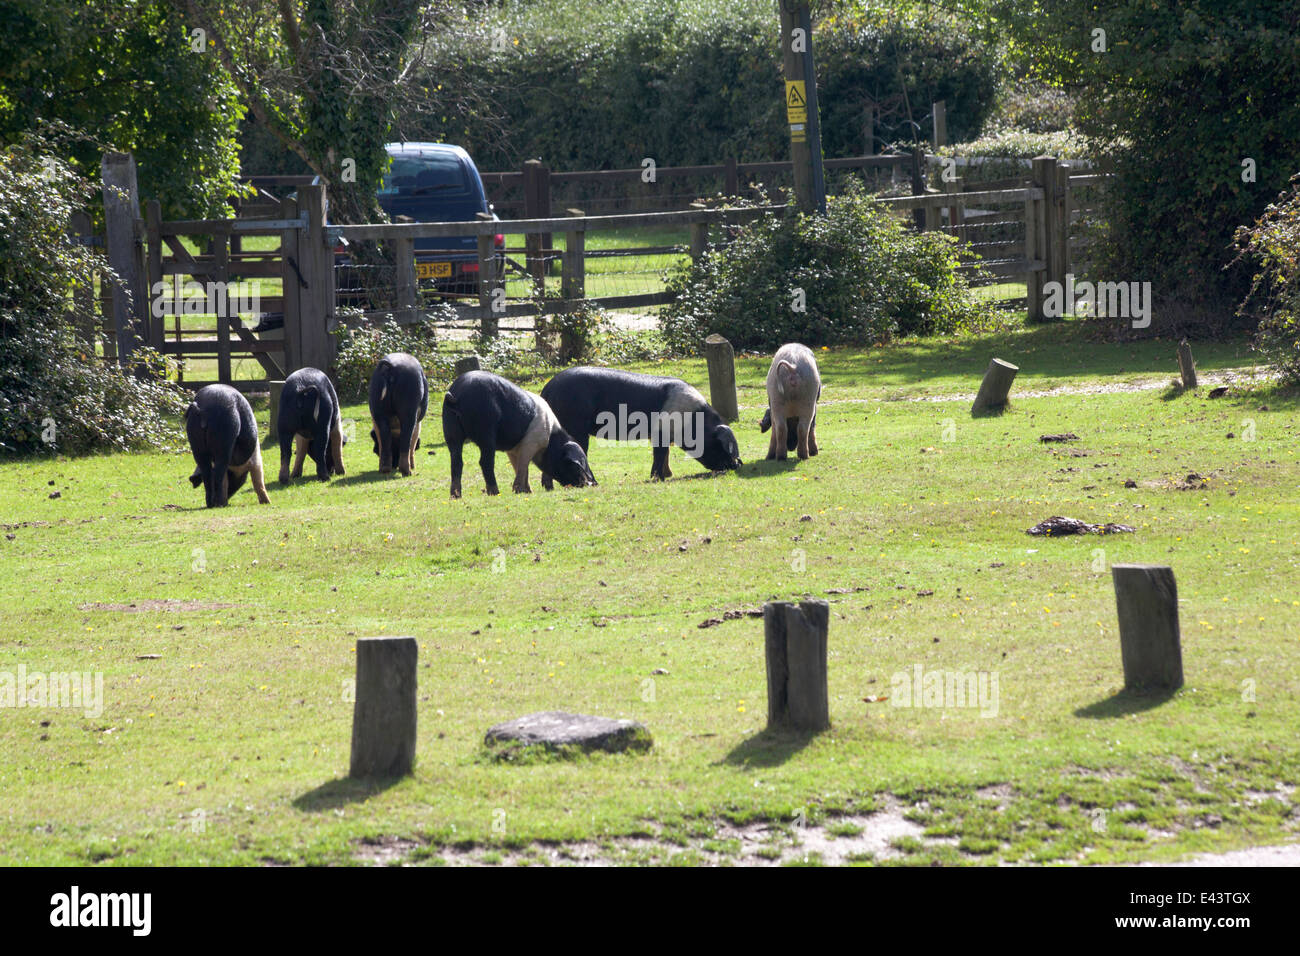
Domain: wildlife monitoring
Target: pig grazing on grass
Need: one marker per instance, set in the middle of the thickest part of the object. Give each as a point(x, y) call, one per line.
point(498, 415)
point(309, 417)
point(627, 406)
point(793, 388)
point(223, 439)
point(399, 397)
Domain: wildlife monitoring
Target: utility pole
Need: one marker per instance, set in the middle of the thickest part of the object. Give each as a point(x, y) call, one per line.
point(801, 105)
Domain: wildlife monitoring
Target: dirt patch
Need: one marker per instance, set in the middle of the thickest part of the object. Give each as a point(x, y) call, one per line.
point(151, 604)
point(384, 851)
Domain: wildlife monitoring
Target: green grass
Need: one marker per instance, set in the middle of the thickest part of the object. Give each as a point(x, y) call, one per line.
point(231, 746)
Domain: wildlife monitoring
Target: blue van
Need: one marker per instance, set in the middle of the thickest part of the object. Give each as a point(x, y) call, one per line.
point(429, 182)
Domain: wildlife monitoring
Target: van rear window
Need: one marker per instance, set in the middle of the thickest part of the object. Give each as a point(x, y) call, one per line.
point(425, 176)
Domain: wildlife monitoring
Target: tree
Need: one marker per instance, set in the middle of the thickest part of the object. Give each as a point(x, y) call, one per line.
point(124, 74)
point(1199, 104)
point(325, 77)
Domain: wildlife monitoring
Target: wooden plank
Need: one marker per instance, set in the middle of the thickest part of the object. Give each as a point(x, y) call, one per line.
point(985, 197)
point(253, 347)
point(419, 230)
point(404, 278)
point(1089, 179)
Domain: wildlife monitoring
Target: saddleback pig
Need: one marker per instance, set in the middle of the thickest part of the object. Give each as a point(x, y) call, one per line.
point(628, 406)
point(498, 415)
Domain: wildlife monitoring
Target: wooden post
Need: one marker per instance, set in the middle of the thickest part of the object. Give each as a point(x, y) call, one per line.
point(1059, 255)
point(731, 178)
point(918, 185)
point(795, 645)
point(699, 239)
point(384, 714)
point(792, 69)
point(153, 274)
point(721, 359)
point(220, 272)
point(121, 212)
point(1186, 364)
point(1038, 233)
point(1146, 597)
point(316, 301)
point(272, 429)
point(939, 112)
point(488, 299)
point(291, 283)
point(993, 391)
point(573, 282)
point(537, 205)
point(404, 278)
point(956, 214)
point(467, 363)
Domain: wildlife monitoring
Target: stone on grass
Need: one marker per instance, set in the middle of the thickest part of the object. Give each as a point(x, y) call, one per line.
point(556, 730)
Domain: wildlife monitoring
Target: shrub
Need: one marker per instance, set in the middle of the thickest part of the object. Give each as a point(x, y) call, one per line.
point(686, 82)
point(1005, 153)
point(55, 393)
point(1273, 244)
point(860, 275)
point(361, 348)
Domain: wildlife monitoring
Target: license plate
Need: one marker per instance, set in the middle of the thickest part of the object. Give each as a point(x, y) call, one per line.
point(433, 270)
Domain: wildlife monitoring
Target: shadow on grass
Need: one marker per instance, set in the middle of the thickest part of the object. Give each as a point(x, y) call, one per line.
point(1125, 702)
point(996, 411)
point(759, 469)
point(364, 477)
point(769, 748)
point(338, 793)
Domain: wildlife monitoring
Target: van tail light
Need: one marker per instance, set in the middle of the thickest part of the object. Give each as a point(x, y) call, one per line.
point(501, 241)
point(469, 267)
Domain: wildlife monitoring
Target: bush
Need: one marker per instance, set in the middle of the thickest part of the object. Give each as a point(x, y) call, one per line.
point(598, 86)
point(1273, 244)
point(361, 348)
point(860, 275)
point(55, 393)
point(1005, 153)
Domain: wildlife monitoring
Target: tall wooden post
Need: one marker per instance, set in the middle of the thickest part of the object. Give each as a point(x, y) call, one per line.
point(316, 301)
point(721, 359)
point(1185, 364)
point(1038, 234)
point(573, 283)
point(537, 205)
point(939, 113)
point(796, 102)
point(1060, 219)
point(1146, 597)
point(404, 278)
point(795, 646)
point(291, 282)
point(121, 212)
point(384, 713)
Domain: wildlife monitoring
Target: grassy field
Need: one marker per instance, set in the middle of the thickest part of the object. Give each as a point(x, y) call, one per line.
point(226, 638)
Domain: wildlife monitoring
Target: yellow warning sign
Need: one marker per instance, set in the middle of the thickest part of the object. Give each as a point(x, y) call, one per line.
point(796, 102)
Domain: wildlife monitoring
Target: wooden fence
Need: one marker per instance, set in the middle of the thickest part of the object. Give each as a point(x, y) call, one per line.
point(1032, 230)
point(191, 290)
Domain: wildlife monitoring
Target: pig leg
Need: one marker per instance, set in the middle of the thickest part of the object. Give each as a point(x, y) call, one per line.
point(255, 472)
point(384, 438)
point(659, 469)
point(812, 434)
point(519, 460)
point(772, 446)
point(415, 440)
point(487, 463)
point(336, 448)
point(300, 448)
point(405, 445)
point(455, 451)
point(218, 481)
point(320, 447)
point(803, 429)
point(780, 432)
point(286, 452)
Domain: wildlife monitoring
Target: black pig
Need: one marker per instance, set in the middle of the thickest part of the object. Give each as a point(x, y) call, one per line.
point(223, 439)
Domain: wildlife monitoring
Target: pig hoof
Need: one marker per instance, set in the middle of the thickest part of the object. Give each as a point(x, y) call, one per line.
point(491, 490)
point(455, 493)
